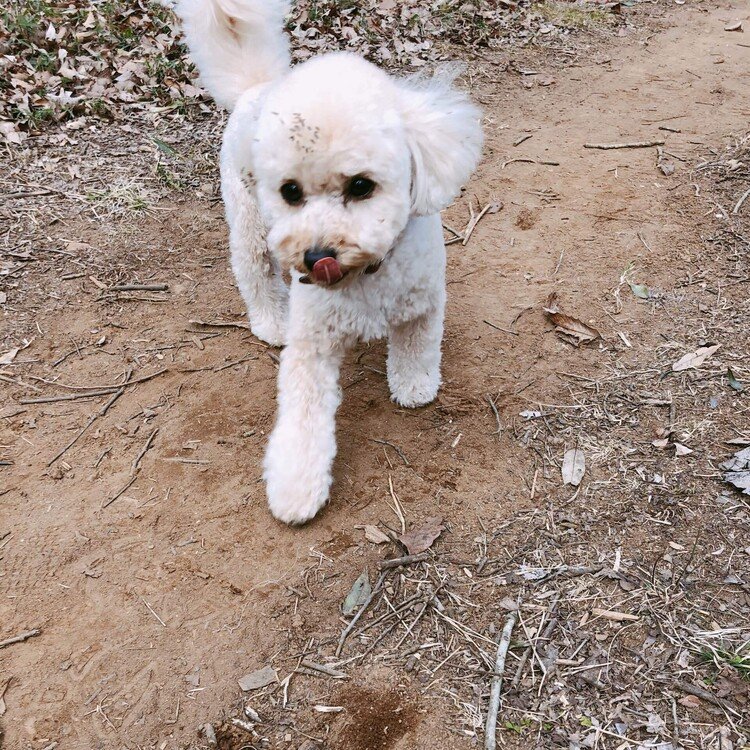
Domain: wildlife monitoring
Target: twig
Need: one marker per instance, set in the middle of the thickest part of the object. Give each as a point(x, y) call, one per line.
point(490, 727)
point(395, 448)
point(88, 424)
point(348, 629)
point(473, 224)
point(739, 203)
point(66, 397)
point(632, 144)
point(150, 609)
point(139, 288)
point(119, 494)
point(20, 637)
point(495, 412)
point(110, 387)
point(220, 324)
point(323, 669)
point(138, 458)
point(405, 560)
point(498, 328)
point(397, 509)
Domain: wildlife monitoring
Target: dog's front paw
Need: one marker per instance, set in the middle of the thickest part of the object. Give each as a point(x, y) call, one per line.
point(412, 390)
point(271, 330)
point(295, 488)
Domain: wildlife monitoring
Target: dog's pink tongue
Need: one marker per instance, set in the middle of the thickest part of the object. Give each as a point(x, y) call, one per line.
point(327, 271)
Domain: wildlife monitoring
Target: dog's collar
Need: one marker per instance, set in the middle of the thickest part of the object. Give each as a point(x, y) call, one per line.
point(375, 267)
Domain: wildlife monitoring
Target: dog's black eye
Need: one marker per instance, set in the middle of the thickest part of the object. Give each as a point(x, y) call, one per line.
point(360, 187)
point(291, 192)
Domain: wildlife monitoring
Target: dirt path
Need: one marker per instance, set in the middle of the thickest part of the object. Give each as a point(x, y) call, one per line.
point(154, 597)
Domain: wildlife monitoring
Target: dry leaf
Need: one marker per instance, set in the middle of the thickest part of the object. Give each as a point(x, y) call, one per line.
point(9, 356)
point(682, 450)
point(574, 466)
point(694, 359)
point(258, 679)
point(358, 594)
point(375, 535)
point(690, 701)
point(738, 470)
point(573, 329)
point(421, 539)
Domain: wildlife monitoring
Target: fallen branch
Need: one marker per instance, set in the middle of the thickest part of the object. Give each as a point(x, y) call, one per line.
point(632, 144)
point(20, 637)
point(490, 727)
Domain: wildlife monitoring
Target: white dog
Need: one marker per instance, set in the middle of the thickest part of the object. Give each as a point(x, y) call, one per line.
point(335, 172)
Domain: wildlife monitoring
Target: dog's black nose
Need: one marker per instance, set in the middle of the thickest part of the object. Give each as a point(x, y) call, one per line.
point(314, 254)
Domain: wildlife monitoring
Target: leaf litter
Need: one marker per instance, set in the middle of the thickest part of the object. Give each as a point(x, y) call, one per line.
point(571, 329)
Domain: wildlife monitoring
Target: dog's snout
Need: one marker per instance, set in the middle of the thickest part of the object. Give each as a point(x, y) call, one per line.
point(314, 254)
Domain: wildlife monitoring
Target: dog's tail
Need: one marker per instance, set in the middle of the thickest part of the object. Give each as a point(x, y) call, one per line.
point(236, 44)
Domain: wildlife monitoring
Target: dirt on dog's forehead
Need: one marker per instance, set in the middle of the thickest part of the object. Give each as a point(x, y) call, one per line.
point(376, 718)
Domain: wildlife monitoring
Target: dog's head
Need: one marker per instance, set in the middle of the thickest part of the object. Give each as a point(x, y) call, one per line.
point(341, 155)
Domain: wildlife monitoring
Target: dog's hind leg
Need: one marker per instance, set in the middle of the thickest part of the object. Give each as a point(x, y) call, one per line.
point(414, 357)
point(302, 446)
point(257, 273)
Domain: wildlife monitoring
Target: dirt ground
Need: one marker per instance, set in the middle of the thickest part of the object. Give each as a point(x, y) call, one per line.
point(144, 553)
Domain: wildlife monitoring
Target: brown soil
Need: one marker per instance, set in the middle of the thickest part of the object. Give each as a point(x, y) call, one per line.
point(154, 597)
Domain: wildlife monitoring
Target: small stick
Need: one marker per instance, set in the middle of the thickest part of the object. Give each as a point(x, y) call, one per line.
point(112, 387)
point(397, 562)
point(348, 629)
point(138, 458)
point(497, 415)
point(521, 139)
point(498, 328)
point(323, 669)
point(88, 424)
point(139, 288)
point(739, 203)
point(220, 324)
point(632, 144)
point(120, 493)
point(397, 509)
point(473, 223)
point(20, 637)
point(66, 397)
point(150, 609)
point(395, 448)
point(490, 727)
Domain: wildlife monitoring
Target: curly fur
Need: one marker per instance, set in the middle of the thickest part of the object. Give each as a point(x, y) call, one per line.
point(320, 124)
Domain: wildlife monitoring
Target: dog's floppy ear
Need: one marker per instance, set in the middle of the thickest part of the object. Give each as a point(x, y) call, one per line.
point(444, 135)
point(241, 130)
